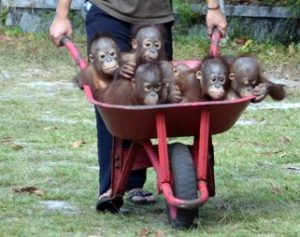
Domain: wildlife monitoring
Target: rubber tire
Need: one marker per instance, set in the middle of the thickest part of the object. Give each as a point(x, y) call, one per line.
point(185, 185)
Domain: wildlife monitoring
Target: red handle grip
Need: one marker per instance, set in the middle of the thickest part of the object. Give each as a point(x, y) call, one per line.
point(73, 50)
point(215, 41)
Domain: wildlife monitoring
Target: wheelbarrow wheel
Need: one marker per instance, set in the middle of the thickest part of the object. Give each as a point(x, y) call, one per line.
point(185, 185)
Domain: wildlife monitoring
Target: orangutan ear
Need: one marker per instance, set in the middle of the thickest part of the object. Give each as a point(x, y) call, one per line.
point(134, 43)
point(175, 71)
point(231, 76)
point(133, 82)
point(199, 77)
point(91, 58)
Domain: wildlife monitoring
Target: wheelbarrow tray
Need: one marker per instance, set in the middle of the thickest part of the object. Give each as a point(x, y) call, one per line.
point(138, 122)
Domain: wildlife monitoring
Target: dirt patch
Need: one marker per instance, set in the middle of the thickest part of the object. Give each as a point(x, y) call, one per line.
point(249, 122)
point(60, 206)
point(274, 105)
point(8, 39)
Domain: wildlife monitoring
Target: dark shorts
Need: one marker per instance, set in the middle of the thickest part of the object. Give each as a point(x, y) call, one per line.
point(98, 22)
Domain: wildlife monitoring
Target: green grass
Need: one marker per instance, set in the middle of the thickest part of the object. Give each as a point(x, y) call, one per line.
point(42, 115)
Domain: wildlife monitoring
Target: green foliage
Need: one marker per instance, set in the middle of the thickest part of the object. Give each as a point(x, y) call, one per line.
point(13, 31)
point(237, 30)
point(283, 30)
point(294, 5)
point(3, 15)
point(77, 21)
point(46, 15)
point(190, 47)
point(186, 15)
point(285, 3)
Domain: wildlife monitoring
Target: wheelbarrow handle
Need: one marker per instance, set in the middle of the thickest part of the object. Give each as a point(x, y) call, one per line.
point(215, 41)
point(73, 50)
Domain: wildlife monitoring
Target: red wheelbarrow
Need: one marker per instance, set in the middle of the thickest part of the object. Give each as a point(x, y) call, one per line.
point(185, 173)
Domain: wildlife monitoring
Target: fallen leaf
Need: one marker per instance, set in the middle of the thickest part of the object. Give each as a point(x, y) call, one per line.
point(271, 52)
point(271, 153)
point(144, 232)
point(226, 207)
point(276, 191)
point(268, 164)
point(38, 192)
point(247, 44)
point(16, 146)
point(256, 143)
point(294, 168)
point(30, 190)
point(292, 49)
point(283, 154)
point(5, 38)
point(277, 152)
point(6, 140)
point(49, 179)
point(78, 144)
point(240, 41)
point(286, 139)
point(50, 128)
point(159, 233)
point(26, 189)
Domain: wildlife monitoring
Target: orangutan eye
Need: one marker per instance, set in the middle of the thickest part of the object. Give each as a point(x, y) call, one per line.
point(157, 44)
point(222, 80)
point(112, 53)
point(147, 44)
point(102, 56)
point(213, 80)
point(148, 87)
point(157, 88)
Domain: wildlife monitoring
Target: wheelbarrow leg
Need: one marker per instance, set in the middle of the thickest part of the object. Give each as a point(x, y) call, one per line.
point(210, 169)
point(182, 209)
point(202, 163)
point(210, 179)
point(122, 163)
point(164, 168)
point(124, 160)
point(121, 166)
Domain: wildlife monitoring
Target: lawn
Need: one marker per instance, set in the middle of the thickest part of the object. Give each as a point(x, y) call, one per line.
point(48, 142)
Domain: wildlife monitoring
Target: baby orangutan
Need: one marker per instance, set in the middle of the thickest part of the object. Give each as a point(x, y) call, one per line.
point(185, 79)
point(247, 80)
point(104, 56)
point(145, 88)
point(214, 78)
point(148, 46)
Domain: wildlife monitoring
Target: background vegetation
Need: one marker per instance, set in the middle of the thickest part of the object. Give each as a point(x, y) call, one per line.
point(48, 142)
point(289, 3)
